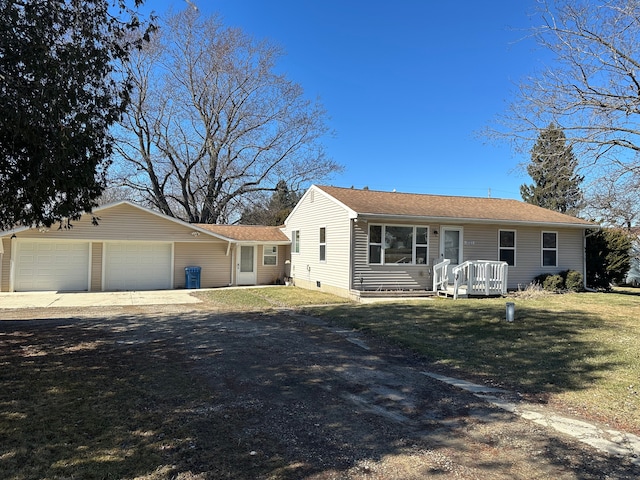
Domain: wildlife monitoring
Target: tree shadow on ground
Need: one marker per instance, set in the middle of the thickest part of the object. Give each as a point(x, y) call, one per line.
point(197, 395)
point(542, 351)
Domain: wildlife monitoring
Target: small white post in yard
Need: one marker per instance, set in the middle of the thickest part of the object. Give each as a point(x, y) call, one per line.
point(511, 310)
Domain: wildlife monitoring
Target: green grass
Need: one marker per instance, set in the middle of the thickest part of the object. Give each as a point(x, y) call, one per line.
point(267, 298)
point(577, 351)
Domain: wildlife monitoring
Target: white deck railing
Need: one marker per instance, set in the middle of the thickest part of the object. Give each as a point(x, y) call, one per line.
point(480, 277)
point(441, 275)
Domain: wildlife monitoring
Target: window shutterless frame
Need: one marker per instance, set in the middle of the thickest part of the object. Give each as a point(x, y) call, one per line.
point(398, 244)
point(295, 241)
point(507, 246)
point(270, 255)
point(549, 244)
point(323, 244)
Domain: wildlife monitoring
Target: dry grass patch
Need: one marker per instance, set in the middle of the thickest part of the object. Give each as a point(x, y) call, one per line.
point(103, 409)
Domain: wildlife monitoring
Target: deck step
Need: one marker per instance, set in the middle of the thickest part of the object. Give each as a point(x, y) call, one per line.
point(395, 293)
point(449, 293)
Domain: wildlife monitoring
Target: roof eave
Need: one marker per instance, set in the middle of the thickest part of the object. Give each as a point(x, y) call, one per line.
point(457, 220)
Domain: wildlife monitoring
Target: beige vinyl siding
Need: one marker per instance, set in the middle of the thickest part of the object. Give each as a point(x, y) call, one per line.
point(121, 223)
point(5, 265)
point(529, 254)
point(480, 242)
point(96, 267)
point(317, 210)
point(269, 274)
point(389, 277)
point(211, 257)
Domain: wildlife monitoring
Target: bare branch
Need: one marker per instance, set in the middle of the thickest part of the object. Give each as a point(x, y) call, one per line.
point(215, 124)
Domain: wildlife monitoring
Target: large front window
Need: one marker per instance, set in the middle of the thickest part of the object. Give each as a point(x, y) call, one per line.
point(398, 244)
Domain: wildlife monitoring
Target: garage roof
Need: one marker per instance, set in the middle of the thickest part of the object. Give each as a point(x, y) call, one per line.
point(248, 233)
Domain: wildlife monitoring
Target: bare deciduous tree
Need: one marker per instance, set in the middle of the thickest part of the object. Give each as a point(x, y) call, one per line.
point(614, 203)
point(211, 122)
point(591, 90)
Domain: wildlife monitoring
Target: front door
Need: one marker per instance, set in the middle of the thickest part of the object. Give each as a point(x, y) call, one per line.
point(247, 265)
point(451, 246)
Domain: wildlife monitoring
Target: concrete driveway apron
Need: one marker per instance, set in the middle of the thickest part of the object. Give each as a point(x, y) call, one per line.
point(95, 299)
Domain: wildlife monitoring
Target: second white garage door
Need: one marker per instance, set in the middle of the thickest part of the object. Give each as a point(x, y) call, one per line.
point(137, 266)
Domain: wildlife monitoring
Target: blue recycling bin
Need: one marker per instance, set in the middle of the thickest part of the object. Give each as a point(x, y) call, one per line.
point(192, 277)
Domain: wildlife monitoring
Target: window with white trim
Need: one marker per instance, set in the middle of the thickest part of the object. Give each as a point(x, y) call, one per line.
point(398, 244)
point(421, 249)
point(295, 241)
point(507, 246)
point(270, 255)
point(375, 244)
point(323, 244)
point(549, 249)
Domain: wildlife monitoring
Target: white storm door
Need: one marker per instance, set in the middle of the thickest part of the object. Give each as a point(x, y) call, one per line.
point(451, 246)
point(247, 265)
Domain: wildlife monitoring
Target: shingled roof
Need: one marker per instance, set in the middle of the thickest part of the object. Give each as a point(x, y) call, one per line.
point(440, 207)
point(247, 233)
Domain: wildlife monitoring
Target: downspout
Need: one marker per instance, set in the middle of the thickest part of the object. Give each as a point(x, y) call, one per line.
point(1, 259)
point(12, 264)
point(232, 262)
point(584, 259)
point(351, 255)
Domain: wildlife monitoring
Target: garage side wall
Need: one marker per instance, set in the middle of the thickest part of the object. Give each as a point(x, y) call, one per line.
point(211, 257)
point(96, 267)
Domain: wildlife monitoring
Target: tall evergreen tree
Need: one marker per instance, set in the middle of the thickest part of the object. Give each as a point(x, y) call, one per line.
point(58, 101)
point(556, 185)
point(609, 255)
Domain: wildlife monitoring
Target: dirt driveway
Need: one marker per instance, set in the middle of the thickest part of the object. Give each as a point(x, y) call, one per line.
point(305, 400)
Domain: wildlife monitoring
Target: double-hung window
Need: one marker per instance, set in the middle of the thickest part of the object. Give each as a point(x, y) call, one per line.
point(549, 249)
point(422, 245)
point(270, 255)
point(375, 243)
point(398, 244)
point(323, 244)
point(507, 246)
point(295, 241)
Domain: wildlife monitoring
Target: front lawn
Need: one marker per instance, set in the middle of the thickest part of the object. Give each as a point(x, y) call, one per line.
point(579, 352)
point(251, 299)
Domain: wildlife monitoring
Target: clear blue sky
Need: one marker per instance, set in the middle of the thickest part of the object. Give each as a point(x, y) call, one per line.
point(407, 84)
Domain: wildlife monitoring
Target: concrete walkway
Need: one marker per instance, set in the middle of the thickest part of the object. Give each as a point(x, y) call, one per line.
point(613, 442)
point(95, 299)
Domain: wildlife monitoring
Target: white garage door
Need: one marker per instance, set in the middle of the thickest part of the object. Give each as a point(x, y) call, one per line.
point(137, 266)
point(57, 266)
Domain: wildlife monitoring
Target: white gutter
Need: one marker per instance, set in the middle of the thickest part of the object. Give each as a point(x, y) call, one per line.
point(461, 220)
